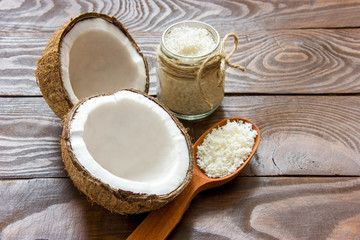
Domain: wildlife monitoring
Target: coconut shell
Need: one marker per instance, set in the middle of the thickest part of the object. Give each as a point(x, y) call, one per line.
point(117, 200)
point(48, 71)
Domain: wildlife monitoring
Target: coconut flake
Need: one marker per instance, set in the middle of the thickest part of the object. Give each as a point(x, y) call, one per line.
point(226, 148)
point(189, 41)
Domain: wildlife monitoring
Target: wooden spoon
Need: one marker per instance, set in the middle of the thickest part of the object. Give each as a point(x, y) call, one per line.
point(159, 224)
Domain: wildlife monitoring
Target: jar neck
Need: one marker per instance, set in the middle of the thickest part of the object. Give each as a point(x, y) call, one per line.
point(190, 60)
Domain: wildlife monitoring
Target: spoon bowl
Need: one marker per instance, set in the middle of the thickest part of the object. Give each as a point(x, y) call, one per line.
point(159, 224)
point(215, 182)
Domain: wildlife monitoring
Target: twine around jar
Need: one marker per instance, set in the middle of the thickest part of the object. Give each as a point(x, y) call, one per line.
point(217, 62)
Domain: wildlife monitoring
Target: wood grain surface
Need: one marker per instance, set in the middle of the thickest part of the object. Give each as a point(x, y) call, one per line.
point(294, 131)
point(29, 139)
point(247, 208)
point(152, 16)
point(275, 208)
point(301, 87)
point(277, 62)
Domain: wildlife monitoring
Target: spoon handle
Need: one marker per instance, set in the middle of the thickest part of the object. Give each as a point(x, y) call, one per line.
point(159, 224)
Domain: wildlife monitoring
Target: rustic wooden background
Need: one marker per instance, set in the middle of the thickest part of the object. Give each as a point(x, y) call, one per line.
point(301, 87)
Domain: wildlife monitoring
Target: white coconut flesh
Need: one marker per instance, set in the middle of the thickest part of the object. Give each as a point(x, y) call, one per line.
point(96, 57)
point(129, 142)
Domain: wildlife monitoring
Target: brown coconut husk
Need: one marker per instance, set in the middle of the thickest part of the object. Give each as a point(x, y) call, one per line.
point(117, 200)
point(48, 71)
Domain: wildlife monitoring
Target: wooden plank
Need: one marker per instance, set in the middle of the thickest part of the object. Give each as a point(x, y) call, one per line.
point(27, 204)
point(18, 56)
point(301, 135)
point(245, 16)
point(298, 61)
point(280, 62)
point(275, 208)
point(29, 139)
point(246, 208)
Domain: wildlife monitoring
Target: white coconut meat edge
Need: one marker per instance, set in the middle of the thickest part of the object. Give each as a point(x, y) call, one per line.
point(102, 60)
point(148, 152)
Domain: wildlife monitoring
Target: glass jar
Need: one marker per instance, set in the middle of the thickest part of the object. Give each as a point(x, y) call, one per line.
point(190, 95)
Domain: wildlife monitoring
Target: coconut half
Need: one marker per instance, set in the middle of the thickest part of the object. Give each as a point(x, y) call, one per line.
point(92, 54)
point(126, 151)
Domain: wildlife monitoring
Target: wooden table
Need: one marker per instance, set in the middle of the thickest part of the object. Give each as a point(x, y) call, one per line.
point(301, 87)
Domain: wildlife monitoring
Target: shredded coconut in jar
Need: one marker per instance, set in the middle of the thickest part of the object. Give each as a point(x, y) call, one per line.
point(189, 41)
point(179, 87)
point(190, 68)
point(225, 148)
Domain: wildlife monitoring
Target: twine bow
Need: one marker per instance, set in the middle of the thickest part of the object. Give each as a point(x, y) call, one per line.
point(224, 59)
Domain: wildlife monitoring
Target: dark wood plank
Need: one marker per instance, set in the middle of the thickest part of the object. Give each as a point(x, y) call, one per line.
point(301, 135)
point(55, 209)
point(297, 61)
point(29, 139)
point(276, 62)
point(246, 208)
point(18, 56)
point(286, 61)
point(244, 16)
point(275, 208)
